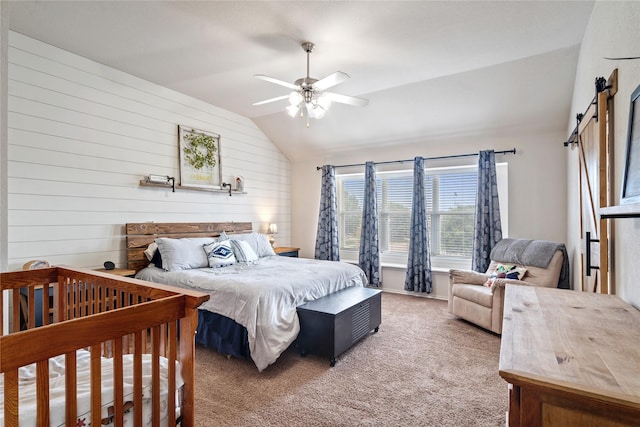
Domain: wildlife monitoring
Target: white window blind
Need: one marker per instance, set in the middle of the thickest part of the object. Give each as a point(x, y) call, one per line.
point(450, 197)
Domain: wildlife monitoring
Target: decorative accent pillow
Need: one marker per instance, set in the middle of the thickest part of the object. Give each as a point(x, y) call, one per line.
point(243, 251)
point(505, 271)
point(153, 254)
point(258, 242)
point(219, 254)
point(183, 254)
point(151, 250)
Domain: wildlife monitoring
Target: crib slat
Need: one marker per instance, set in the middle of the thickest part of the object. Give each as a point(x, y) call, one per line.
point(187, 358)
point(96, 299)
point(32, 308)
point(11, 398)
point(78, 296)
point(137, 377)
point(16, 309)
point(155, 373)
point(58, 302)
point(171, 393)
point(70, 389)
point(45, 305)
point(1, 312)
point(118, 393)
point(96, 389)
point(42, 393)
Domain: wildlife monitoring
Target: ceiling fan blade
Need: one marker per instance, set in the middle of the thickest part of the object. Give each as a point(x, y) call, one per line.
point(331, 80)
point(276, 81)
point(266, 101)
point(345, 99)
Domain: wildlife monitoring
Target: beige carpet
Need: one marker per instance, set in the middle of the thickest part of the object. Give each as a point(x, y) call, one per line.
point(423, 368)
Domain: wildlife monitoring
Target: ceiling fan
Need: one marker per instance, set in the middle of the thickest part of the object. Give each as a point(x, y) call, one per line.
point(308, 95)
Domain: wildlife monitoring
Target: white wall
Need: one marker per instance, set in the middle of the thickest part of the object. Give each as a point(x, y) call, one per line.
point(537, 182)
point(82, 135)
point(613, 31)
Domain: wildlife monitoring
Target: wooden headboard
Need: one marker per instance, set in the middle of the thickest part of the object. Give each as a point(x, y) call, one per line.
point(141, 234)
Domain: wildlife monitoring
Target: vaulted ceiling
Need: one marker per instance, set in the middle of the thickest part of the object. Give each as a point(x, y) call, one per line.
point(431, 69)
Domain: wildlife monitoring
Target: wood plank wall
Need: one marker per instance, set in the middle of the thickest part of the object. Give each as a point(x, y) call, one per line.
point(82, 135)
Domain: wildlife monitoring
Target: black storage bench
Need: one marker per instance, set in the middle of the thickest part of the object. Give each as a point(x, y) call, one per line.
point(332, 324)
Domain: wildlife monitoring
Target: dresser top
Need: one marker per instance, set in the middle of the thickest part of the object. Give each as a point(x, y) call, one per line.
point(577, 342)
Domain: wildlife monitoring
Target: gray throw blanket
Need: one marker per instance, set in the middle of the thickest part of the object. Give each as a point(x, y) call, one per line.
point(537, 253)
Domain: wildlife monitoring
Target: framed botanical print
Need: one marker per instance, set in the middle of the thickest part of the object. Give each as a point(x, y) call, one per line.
point(199, 157)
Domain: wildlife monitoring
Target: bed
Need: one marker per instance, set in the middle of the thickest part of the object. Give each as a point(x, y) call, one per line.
point(252, 309)
point(109, 350)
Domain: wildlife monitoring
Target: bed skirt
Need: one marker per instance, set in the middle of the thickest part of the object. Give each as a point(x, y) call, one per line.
point(223, 334)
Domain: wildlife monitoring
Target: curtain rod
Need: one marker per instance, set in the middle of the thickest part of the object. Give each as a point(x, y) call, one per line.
point(512, 151)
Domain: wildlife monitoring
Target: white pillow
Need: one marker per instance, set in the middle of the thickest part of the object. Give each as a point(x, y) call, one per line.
point(258, 242)
point(151, 250)
point(243, 251)
point(183, 254)
point(219, 254)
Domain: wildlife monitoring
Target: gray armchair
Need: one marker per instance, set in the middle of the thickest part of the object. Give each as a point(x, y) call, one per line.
point(472, 300)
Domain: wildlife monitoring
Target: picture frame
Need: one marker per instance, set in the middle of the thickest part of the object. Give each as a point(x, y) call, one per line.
point(199, 158)
point(630, 192)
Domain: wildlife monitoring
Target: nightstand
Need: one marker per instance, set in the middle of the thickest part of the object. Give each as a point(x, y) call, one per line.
point(122, 272)
point(290, 252)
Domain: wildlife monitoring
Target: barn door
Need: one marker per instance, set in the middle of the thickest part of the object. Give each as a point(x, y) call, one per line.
point(593, 145)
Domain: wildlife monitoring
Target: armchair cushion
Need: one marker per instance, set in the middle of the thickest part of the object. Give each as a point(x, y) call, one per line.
point(482, 295)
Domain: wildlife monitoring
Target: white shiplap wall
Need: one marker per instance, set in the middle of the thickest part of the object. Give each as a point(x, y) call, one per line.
point(81, 135)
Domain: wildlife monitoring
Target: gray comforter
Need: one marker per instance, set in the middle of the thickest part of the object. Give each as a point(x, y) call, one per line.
point(263, 296)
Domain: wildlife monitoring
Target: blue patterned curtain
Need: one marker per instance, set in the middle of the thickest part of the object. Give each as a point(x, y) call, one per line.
point(488, 228)
point(369, 257)
point(418, 277)
point(327, 247)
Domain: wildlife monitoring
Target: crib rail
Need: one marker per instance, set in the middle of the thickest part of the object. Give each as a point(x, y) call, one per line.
point(108, 316)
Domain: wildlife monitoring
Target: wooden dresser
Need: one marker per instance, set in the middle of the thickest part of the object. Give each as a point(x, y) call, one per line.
point(570, 358)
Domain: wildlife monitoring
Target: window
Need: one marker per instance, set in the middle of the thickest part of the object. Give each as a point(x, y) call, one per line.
point(450, 195)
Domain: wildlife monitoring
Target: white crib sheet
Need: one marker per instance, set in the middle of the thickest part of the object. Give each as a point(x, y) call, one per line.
point(27, 389)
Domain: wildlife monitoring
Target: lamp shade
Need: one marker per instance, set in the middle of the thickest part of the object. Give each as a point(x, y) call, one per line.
point(295, 98)
point(273, 228)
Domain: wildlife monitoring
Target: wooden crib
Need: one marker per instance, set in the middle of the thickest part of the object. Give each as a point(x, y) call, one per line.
point(109, 316)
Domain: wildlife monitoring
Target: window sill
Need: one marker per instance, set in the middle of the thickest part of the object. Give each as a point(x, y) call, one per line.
point(403, 266)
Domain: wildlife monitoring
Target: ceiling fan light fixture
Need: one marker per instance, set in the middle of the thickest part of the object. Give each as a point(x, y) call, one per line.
point(295, 98)
point(319, 112)
point(292, 110)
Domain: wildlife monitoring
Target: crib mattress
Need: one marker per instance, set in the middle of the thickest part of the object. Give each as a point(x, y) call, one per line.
point(27, 390)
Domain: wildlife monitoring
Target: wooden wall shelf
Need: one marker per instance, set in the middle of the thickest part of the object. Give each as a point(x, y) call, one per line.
point(144, 183)
point(630, 210)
